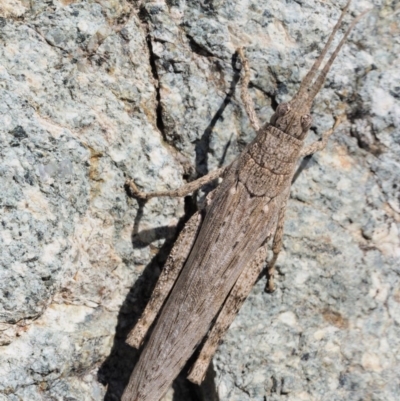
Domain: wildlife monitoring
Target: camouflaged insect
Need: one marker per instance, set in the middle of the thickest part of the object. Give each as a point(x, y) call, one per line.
point(221, 251)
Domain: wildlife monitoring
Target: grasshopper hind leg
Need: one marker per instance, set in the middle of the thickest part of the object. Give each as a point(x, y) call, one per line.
point(169, 274)
point(276, 246)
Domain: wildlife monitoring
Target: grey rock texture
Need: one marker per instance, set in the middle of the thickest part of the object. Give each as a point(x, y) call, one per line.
point(92, 91)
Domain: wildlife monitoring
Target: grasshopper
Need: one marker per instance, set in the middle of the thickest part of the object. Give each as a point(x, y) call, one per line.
point(220, 253)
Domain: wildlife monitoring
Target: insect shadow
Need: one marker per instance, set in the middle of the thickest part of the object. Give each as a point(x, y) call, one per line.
point(202, 145)
point(117, 368)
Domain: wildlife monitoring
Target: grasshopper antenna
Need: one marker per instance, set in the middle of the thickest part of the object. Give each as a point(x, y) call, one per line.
point(311, 74)
point(316, 86)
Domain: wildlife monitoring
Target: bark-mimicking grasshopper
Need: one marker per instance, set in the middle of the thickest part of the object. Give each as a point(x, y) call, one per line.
point(220, 252)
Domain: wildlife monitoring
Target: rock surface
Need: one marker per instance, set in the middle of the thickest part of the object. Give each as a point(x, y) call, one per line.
point(92, 91)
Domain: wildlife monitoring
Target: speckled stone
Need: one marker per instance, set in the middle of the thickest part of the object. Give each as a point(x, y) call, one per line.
point(95, 91)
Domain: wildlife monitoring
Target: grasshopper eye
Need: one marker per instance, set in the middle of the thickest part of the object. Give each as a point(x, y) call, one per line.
point(306, 122)
point(282, 109)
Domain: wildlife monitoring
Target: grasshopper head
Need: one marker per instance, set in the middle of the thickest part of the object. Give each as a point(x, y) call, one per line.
point(292, 120)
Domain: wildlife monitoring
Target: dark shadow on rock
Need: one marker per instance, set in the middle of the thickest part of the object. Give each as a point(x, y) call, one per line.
point(143, 238)
point(117, 368)
point(203, 144)
point(184, 390)
point(304, 164)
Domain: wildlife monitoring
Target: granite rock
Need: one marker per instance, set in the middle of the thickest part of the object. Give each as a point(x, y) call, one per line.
point(93, 92)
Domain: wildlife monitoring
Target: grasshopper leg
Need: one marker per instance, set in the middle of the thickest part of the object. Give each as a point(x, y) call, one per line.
point(169, 274)
point(180, 192)
point(227, 314)
point(321, 144)
point(246, 99)
point(276, 246)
